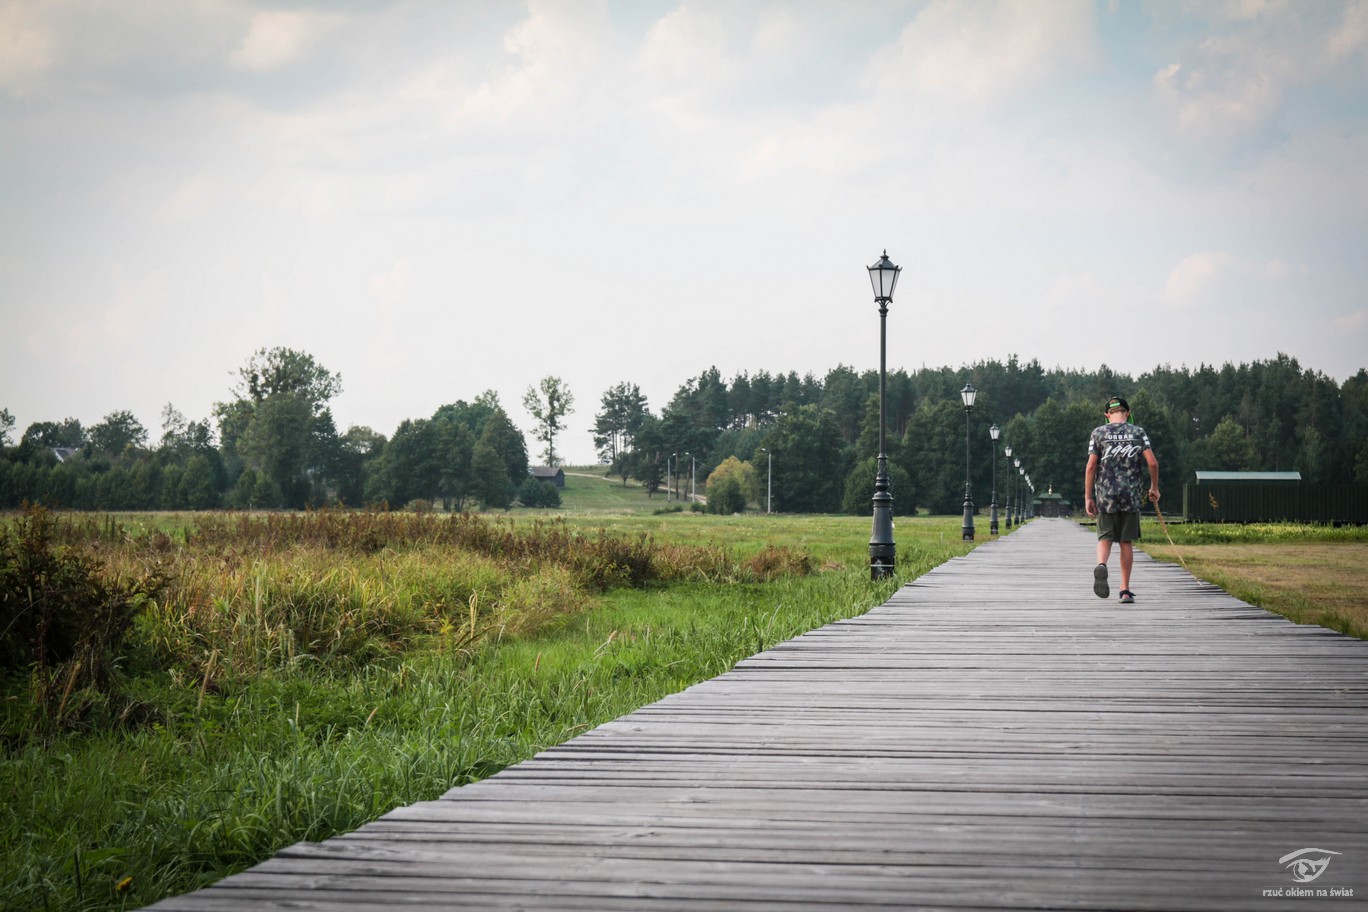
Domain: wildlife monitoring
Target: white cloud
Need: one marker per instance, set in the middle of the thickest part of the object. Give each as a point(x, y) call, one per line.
point(276, 38)
point(557, 54)
point(1194, 278)
point(1350, 38)
point(1233, 83)
point(1355, 322)
point(1213, 277)
point(987, 52)
point(27, 46)
point(120, 319)
point(189, 199)
point(391, 288)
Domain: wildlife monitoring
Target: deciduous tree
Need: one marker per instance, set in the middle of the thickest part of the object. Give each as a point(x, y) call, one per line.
point(729, 486)
point(280, 424)
point(549, 402)
point(809, 464)
point(117, 433)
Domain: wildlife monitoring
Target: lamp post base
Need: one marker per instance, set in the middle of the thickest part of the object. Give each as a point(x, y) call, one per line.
point(882, 560)
point(968, 529)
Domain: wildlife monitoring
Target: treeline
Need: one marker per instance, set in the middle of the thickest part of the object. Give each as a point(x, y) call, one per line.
point(273, 444)
point(808, 442)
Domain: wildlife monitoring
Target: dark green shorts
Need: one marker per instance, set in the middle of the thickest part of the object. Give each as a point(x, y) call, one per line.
point(1118, 527)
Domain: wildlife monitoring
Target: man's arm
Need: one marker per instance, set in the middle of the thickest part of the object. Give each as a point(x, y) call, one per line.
point(1153, 463)
point(1090, 479)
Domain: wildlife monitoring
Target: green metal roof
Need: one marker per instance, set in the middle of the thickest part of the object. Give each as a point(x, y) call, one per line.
point(1227, 477)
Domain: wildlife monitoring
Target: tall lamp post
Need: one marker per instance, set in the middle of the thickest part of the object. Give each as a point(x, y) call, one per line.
point(769, 478)
point(883, 276)
point(1021, 487)
point(968, 394)
point(994, 432)
point(1008, 451)
point(693, 466)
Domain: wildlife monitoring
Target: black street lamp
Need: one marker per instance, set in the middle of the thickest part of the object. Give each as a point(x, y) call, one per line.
point(968, 394)
point(1008, 451)
point(883, 275)
point(994, 432)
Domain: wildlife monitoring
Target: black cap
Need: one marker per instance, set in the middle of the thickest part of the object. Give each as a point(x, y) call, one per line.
point(1116, 402)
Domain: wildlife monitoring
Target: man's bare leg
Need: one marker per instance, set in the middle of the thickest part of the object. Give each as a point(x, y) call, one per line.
point(1127, 561)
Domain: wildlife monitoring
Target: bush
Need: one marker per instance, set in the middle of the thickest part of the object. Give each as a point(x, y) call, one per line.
point(534, 493)
point(63, 620)
point(859, 490)
point(729, 486)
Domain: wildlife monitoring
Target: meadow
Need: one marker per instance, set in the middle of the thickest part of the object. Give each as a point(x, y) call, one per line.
point(257, 680)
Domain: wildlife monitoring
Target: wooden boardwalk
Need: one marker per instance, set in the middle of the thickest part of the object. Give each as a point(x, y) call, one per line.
point(993, 737)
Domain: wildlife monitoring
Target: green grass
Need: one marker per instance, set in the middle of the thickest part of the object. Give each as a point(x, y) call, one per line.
point(216, 778)
point(1253, 533)
point(589, 491)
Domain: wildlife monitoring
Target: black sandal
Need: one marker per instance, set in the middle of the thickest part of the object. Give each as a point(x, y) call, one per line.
point(1127, 597)
point(1100, 587)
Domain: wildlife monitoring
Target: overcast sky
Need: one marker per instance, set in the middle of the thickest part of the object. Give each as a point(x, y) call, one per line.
point(438, 198)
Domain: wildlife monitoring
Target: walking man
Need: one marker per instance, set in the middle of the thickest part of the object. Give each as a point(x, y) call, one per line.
point(1118, 454)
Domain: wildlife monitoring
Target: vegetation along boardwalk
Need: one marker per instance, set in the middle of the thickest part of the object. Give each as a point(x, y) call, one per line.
point(993, 737)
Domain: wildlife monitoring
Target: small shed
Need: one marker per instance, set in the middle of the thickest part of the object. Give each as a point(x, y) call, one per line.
point(554, 474)
point(1250, 497)
point(1052, 504)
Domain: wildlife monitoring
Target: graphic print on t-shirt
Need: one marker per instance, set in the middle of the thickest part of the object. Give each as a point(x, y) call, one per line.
point(1120, 449)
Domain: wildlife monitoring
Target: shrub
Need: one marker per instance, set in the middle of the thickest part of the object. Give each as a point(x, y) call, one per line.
point(859, 490)
point(729, 486)
point(534, 493)
point(64, 620)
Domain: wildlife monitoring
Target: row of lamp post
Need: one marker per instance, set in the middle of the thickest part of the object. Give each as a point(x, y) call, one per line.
point(1020, 506)
point(693, 468)
point(883, 276)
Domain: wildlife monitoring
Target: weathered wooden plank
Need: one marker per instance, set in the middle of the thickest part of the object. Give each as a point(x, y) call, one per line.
point(992, 737)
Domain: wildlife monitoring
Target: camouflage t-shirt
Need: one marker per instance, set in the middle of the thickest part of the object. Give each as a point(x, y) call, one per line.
point(1121, 470)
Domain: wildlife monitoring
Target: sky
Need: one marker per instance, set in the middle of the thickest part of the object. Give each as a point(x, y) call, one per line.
point(434, 199)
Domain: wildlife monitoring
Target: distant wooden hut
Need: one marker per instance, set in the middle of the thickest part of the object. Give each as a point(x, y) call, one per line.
point(554, 474)
point(1052, 504)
